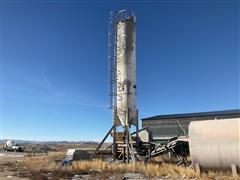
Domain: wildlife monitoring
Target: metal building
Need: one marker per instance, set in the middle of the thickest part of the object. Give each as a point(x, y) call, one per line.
point(172, 125)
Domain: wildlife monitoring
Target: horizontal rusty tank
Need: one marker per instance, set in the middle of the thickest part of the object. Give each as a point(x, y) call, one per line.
point(215, 144)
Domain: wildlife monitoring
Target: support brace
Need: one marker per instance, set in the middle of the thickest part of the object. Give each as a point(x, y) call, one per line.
point(99, 146)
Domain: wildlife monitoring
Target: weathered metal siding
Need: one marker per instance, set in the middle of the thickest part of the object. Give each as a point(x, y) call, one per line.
point(215, 144)
point(170, 128)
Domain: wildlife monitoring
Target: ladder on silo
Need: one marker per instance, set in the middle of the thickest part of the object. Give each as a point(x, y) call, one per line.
point(113, 73)
point(111, 60)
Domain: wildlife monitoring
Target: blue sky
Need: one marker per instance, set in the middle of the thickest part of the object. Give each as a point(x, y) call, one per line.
point(54, 63)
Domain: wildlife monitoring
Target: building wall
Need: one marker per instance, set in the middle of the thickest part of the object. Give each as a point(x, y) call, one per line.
point(165, 128)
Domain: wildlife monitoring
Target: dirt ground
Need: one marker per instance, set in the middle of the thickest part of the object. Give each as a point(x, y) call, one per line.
point(12, 163)
point(9, 165)
point(11, 169)
point(23, 165)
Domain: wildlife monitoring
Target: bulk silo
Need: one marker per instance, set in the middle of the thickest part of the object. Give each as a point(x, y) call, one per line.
point(122, 83)
point(122, 58)
point(125, 73)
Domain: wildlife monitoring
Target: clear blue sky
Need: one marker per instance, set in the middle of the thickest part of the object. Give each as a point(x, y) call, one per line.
point(54, 63)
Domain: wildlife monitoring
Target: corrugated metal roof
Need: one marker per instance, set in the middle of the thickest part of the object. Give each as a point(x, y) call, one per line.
point(199, 114)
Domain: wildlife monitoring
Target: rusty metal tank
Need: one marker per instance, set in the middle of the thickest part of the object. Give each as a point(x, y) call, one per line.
point(215, 144)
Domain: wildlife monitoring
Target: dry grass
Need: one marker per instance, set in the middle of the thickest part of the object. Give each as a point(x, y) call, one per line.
point(221, 175)
point(48, 163)
point(149, 170)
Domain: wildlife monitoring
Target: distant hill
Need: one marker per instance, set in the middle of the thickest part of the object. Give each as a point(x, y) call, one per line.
point(18, 141)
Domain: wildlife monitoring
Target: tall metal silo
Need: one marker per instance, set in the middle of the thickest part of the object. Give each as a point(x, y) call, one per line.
point(122, 84)
point(125, 73)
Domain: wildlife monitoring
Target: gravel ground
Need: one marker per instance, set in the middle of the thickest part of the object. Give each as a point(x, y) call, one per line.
point(8, 165)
